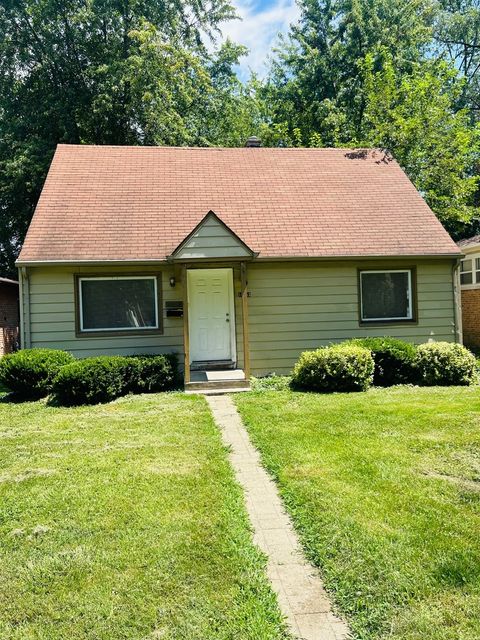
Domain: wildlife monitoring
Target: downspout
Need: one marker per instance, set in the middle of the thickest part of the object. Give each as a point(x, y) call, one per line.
point(25, 329)
point(458, 327)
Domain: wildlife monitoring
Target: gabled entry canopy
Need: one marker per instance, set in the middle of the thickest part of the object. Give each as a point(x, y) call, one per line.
point(211, 240)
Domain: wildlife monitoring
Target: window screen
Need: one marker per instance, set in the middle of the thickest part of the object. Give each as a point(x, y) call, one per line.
point(386, 295)
point(118, 303)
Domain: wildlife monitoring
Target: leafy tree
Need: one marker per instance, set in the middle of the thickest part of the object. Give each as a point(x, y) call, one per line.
point(362, 73)
point(108, 72)
point(413, 114)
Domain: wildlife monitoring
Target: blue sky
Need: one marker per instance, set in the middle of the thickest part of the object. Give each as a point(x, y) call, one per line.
point(261, 22)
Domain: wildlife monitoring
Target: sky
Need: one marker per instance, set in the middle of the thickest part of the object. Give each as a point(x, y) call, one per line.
point(258, 30)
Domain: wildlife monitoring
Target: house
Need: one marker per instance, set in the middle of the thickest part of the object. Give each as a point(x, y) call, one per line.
point(9, 318)
point(470, 290)
point(233, 258)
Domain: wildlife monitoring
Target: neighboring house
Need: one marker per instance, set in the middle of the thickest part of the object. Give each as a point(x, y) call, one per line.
point(9, 320)
point(470, 286)
point(232, 257)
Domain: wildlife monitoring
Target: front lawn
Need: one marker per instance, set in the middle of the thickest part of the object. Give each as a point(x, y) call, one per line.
point(384, 488)
point(123, 521)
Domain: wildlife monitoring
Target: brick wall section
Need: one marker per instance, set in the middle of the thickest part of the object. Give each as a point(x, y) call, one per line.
point(9, 317)
point(471, 317)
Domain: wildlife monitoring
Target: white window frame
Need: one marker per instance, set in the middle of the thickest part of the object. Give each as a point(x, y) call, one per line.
point(475, 284)
point(408, 317)
point(110, 329)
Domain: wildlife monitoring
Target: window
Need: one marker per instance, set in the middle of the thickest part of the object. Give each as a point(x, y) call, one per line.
point(386, 295)
point(118, 303)
point(470, 270)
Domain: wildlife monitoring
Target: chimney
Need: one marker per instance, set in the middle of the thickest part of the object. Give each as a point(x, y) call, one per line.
point(253, 141)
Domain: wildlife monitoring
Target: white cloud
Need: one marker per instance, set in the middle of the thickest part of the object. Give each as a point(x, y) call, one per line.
point(258, 30)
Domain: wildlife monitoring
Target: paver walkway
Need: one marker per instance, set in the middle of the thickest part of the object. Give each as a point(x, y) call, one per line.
point(299, 588)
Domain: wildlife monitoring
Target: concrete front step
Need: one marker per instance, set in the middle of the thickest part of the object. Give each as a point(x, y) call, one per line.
point(217, 385)
point(217, 392)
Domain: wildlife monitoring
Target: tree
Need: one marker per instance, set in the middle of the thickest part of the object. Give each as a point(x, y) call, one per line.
point(414, 116)
point(361, 73)
point(107, 72)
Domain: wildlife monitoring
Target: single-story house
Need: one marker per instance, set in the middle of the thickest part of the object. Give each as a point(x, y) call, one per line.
point(9, 315)
point(470, 287)
point(233, 258)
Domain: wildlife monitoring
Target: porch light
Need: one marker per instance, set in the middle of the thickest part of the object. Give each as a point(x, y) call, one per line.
point(172, 281)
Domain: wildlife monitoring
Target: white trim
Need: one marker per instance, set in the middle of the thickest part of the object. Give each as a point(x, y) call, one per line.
point(410, 306)
point(231, 296)
point(475, 284)
point(103, 278)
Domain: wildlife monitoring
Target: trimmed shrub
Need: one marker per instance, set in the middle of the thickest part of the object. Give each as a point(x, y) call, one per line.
point(150, 374)
point(105, 378)
point(30, 373)
point(444, 364)
point(394, 360)
point(92, 380)
point(342, 367)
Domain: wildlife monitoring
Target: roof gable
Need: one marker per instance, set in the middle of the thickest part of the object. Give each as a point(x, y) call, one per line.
point(211, 239)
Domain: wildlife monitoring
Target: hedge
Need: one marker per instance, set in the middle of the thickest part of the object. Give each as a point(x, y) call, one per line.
point(394, 360)
point(342, 367)
point(29, 373)
point(104, 378)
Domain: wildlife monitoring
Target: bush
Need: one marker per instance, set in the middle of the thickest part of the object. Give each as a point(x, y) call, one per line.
point(149, 374)
point(105, 378)
point(92, 380)
point(29, 373)
point(444, 364)
point(394, 360)
point(343, 367)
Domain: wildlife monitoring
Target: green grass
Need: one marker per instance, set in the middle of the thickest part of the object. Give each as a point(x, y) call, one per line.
point(384, 488)
point(123, 521)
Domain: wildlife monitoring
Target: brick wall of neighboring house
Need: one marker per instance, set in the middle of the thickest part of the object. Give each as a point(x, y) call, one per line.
point(471, 317)
point(9, 317)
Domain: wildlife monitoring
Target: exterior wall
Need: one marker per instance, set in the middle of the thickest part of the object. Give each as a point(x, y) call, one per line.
point(293, 306)
point(471, 317)
point(49, 300)
point(9, 317)
point(298, 306)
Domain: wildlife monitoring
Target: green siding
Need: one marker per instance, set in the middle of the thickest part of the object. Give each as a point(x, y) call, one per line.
point(52, 314)
point(292, 307)
point(212, 240)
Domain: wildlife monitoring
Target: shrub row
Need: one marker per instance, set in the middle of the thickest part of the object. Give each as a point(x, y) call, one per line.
point(356, 364)
point(36, 373)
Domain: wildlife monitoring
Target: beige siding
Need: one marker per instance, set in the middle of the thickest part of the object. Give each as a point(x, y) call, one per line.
point(212, 240)
point(292, 307)
point(295, 306)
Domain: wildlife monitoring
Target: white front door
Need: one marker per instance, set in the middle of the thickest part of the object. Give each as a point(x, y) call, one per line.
point(211, 316)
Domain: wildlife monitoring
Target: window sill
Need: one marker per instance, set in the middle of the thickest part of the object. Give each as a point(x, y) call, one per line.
point(120, 333)
point(470, 286)
point(387, 323)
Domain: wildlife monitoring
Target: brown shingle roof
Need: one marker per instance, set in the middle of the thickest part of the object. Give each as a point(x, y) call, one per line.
point(469, 242)
point(138, 203)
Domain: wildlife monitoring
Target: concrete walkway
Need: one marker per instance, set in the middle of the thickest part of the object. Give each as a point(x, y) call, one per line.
point(300, 591)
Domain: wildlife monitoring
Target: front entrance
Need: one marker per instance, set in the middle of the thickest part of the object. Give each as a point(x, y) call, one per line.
point(211, 315)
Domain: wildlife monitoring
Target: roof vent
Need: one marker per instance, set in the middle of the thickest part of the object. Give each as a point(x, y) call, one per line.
point(253, 141)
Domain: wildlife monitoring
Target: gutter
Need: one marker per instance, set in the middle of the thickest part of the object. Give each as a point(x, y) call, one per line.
point(457, 310)
point(165, 261)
